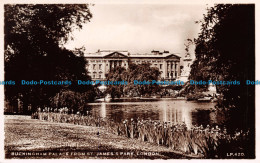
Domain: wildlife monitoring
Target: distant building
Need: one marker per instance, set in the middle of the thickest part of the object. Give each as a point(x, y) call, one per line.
point(101, 62)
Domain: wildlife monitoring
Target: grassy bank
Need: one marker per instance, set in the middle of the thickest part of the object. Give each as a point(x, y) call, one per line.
point(211, 142)
point(62, 140)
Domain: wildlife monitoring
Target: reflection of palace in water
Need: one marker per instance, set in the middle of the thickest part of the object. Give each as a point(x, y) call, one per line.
point(101, 62)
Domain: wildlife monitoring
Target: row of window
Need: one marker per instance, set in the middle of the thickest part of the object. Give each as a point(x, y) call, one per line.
point(168, 75)
point(161, 66)
point(147, 61)
point(98, 76)
point(137, 61)
point(104, 61)
point(94, 66)
point(118, 64)
point(158, 61)
point(171, 74)
point(99, 66)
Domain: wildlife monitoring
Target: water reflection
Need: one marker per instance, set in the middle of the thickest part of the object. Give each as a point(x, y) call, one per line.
point(164, 111)
point(103, 111)
point(174, 111)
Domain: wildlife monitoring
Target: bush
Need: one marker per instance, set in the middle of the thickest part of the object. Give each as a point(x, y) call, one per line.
point(75, 101)
point(195, 96)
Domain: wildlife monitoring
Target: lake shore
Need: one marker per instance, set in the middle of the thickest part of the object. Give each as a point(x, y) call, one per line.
point(143, 98)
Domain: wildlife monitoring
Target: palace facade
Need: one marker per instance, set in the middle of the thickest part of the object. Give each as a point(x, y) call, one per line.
point(100, 63)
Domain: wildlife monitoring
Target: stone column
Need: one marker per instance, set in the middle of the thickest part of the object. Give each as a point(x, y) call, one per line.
point(168, 70)
point(112, 64)
point(104, 69)
point(125, 62)
point(108, 67)
point(165, 69)
point(173, 69)
point(171, 74)
point(177, 70)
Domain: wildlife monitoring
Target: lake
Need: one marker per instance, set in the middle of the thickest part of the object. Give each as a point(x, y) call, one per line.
point(167, 110)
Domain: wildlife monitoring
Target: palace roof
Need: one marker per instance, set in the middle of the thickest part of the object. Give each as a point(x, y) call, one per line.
point(153, 54)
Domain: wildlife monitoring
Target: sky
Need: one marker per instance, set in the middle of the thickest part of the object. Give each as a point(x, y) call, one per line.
point(139, 28)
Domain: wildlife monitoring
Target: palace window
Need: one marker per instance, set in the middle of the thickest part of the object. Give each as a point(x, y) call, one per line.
point(100, 66)
point(161, 66)
point(94, 66)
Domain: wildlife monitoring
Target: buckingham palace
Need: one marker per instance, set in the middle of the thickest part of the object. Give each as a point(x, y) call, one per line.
point(100, 63)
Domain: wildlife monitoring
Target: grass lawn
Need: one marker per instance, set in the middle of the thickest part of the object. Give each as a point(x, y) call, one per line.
point(31, 138)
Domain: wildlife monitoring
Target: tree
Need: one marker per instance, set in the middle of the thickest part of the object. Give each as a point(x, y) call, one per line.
point(225, 51)
point(116, 74)
point(139, 72)
point(142, 72)
point(74, 101)
point(34, 35)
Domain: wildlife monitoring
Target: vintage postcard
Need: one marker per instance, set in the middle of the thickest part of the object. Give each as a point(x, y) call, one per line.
point(139, 80)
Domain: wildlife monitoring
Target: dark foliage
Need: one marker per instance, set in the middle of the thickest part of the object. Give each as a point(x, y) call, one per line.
point(139, 72)
point(34, 35)
point(225, 50)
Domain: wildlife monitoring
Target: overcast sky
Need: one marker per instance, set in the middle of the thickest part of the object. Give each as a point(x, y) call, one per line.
point(139, 28)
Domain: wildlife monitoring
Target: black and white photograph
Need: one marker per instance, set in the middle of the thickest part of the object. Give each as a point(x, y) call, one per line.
point(148, 81)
